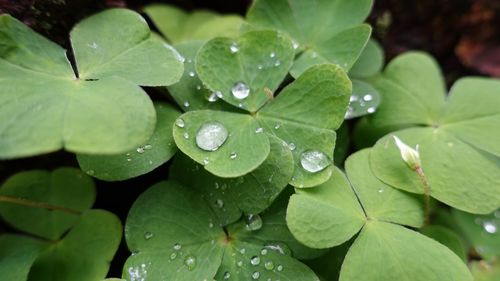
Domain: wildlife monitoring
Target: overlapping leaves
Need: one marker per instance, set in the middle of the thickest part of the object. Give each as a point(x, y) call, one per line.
point(96, 108)
point(457, 136)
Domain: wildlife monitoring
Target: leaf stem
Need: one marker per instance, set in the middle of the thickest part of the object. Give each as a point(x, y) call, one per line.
point(40, 205)
point(427, 196)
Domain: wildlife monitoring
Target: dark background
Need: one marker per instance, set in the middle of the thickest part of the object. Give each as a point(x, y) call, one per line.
point(463, 35)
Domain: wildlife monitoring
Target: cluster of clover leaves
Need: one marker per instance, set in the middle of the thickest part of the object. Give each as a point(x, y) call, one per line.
point(253, 193)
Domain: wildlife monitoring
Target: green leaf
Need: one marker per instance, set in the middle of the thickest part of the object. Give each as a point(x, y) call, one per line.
point(119, 42)
point(179, 26)
point(84, 253)
point(364, 100)
point(328, 265)
point(36, 190)
point(305, 115)
point(379, 200)
point(250, 194)
point(259, 60)
point(384, 251)
point(342, 145)
point(17, 256)
point(331, 31)
point(190, 93)
point(175, 243)
point(45, 106)
point(141, 160)
point(242, 151)
point(446, 237)
point(327, 215)
point(370, 61)
point(482, 231)
point(458, 174)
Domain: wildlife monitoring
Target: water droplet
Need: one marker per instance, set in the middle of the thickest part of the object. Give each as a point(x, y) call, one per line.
point(243, 250)
point(253, 222)
point(210, 225)
point(186, 104)
point(129, 159)
point(263, 252)
point(279, 267)
point(177, 246)
point(314, 161)
point(255, 260)
point(148, 235)
point(259, 67)
point(140, 150)
point(292, 146)
point(279, 247)
point(233, 155)
point(179, 122)
point(93, 45)
point(269, 265)
point(205, 161)
point(148, 147)
point(227, 275)
point(219, 203)
point(173, 256)
point(234, 48)
point(198, 87)
point(272, 54)
point(186, 135)
point(277, 63)
point(490, 227)
point(150, 162)
point(240, 90)
point(211, 136)
point(367, 97)
point(91, 172)
point(295, 45)
point(371, 109)
point(192, 74)
point(259, 130)
point(380, 190)
point(214, 96)
point(277, 126)
point(239, 263)
point(240, 105)
point(255, 275)
point(190, 262)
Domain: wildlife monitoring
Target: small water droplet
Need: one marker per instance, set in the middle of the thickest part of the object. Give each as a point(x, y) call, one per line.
point(240, 90)
point(292, 146)
point(295, 45)
point(198, 87)
point(227, 275)
point(314, 161)
point(243, 250)
point(140, 150)
point(263, 252)
point(259, 130)
point(177, 246)
point(173, 256)
point(179, 122)
point(279, 247)
point(91, 172)
point(380, 190)
point(214, 96)
point(239, 263)
point(371, 109)
point(186, 104)
point(148, 147)
point(272, 54)
point(277, 126)
point(186, 135)
point(255, 275)
point(233, 155)
point(189, 60)
point(269, 265)
point(129, 159)
point(205, 161)
point(192, 74)
point(259, 67)
point(255, 260)
point(277, 63)
point(150, 162)
point(253, 222)
point(93, 45)
point(490, 227)
point(279, 267)
point(219, 203)
point(211, 136)
point(148, 235)
point(234, 48)
point(190, 262)
point(210, 225)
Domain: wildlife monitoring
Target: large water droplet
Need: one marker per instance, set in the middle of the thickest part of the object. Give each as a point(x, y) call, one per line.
point(269, 265)
point(490, 227)
point(211, 136)
point(190, 262)
point(234, 48)
point(254, 222)
point(240, 90)
point(314, 161)
point(255, 260)
point(255, 275)
point(148, 235)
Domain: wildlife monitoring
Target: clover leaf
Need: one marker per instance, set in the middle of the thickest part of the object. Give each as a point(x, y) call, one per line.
point(456, 136)
point(446, 237)
point(186, 243)
point(81, 241)
point(326, 31)
point(96, 108)
point(362, 202)
point(141, 160)
point(17, 255)
point(315, 102)
point(179, 26)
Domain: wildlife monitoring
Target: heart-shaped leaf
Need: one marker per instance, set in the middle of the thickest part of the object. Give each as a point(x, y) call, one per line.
point(179, 26)
point(330, 31)
point(250, 194)
point(141, 160)
point(247, 70)
point(458, 151)
point(185, 244)
point(84, 253)
point(99, 109)
point(17, 255)
point(446, 237)
point(370, 62)
point(41, 203)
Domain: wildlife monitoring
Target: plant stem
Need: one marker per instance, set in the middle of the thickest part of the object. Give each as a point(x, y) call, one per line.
point(427, 195)
point(40, 205)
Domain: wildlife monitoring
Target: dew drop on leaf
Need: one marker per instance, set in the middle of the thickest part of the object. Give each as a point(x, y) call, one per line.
point(259, 130)
point(186, 135)
point(277, 63)
point(91, 172)
point(269, 265)
point(227, 275)
point(263, 252)
point(272, 55)
point(233, 155)
point(214, 96)
point(314, 161)
point(255, 260)
point(186, 104)
point(292, 146)
point(279, 267)
point(255, 275)
point(148, 235)
point(211, 136)
point(177, 246)
point(239, 263)
point(190, 262)
point(490, 227)
point(173, 256)
point(219, 203)
point(253, 222)
point(140, 150)
point(148, 147)
point(234, 48)
point(240, 90)
point(179, 122)
point(192, 74)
